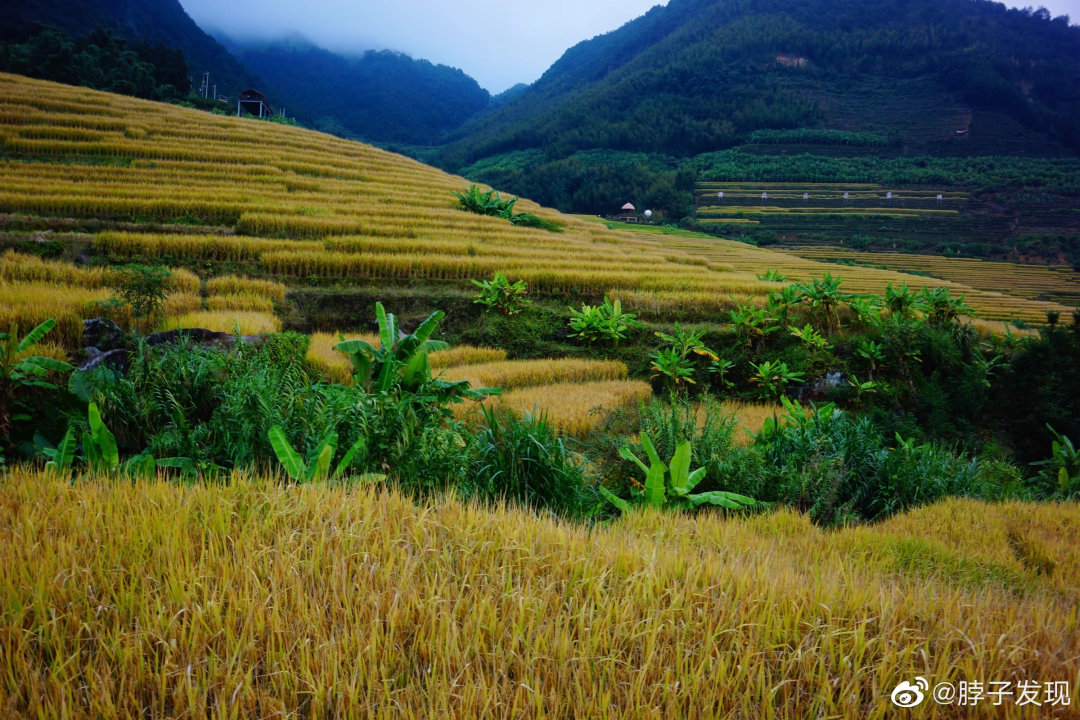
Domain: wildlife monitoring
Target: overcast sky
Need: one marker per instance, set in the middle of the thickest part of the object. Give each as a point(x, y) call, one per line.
point(498, 42)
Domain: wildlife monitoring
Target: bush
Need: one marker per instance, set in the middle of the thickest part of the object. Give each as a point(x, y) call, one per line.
point(287, 348)
point(524, 459)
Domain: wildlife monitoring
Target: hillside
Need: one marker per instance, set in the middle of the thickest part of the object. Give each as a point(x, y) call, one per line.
point(156, 21)
point(379, 96)
point(225, 194)
point(702, 75)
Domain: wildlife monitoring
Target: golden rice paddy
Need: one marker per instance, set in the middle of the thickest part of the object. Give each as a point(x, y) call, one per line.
point(299, 204)
point(252, 598)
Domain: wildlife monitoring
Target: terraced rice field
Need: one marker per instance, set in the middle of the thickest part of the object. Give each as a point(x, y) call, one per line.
point(989, 304)
point(249, 200)
point(758, 201)
point(1045, 282)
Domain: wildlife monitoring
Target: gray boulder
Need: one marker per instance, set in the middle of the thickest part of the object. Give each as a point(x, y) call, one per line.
point(103, 334)
point(113, 359)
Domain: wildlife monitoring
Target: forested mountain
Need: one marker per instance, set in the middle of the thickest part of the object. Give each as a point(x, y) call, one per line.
point(381, 96)
point(101, 60)
point(154, 21)
point(931, 76)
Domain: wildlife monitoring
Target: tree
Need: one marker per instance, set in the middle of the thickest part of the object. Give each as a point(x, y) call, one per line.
point(143, 288)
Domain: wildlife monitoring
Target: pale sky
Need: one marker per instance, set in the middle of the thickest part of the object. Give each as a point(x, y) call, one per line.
point(498, 42)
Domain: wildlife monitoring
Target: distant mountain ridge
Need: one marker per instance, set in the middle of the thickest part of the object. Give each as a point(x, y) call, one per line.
point(696, 76)
point(158, 21)
point(380, 96)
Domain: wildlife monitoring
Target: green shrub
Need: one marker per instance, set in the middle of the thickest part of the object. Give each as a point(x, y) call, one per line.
point(522, 458)
point(602, 323)
point(502, 295)
point(287, 348)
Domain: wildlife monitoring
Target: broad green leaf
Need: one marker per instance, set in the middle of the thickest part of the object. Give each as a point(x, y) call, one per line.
point(347, 461)
point(655, 492)
point(387, 375)
point(616, 500)
point(418, 369)
point(428, 326)
point(64, 453)
point(430, 346)
point(650, 450)
point(627, 454)
point(319, 466)
point(105, 440)
point(356, 346)
point(91, 451)
point(680, 465)
point(49, 363)
point(732, 501)
point(140, 466)
point(288, 457)
point(384, 328)
point(35, 335)
point(186, 466)
point(695, 477)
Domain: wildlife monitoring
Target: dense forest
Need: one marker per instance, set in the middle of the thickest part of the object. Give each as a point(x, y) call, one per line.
point(154, 21)
point(101, 60)
point(380, 96)
point(699, 76)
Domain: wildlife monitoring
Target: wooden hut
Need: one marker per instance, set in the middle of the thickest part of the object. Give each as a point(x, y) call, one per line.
point(253, 102)
point(628, 213)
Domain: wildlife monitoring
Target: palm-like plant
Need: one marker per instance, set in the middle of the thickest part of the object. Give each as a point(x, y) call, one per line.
point(721, 368)
point(675, 362)
point(772, 276)
point(400, 363)
point(941, 307)
point(751, 324)
point(1064, 464)
point(873, 353)
point(773, 378)
point(18, 370)
point(823, 297)
point(669, 488)
point(867, 308)
point(674, 368)
point(781, 301)
point(811, 337)
point(861, 388)
point(605, 322)
point(903, 302)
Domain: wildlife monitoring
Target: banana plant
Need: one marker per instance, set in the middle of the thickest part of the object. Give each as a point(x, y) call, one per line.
point(781, 301)
point(317, 466)
point(861, 388)
point(62, 456)
point(811, 337)
point(873, 353)
point(669, 487)
point(16, 372)
point(401, 362)
point(99, 445)
point(823, 296)
point(1066, 459)
point(101, 454)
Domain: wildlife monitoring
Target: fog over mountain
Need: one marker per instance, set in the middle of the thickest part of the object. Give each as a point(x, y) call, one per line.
point(498, 43)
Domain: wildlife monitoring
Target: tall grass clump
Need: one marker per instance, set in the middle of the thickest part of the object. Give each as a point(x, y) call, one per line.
point(524, 459)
